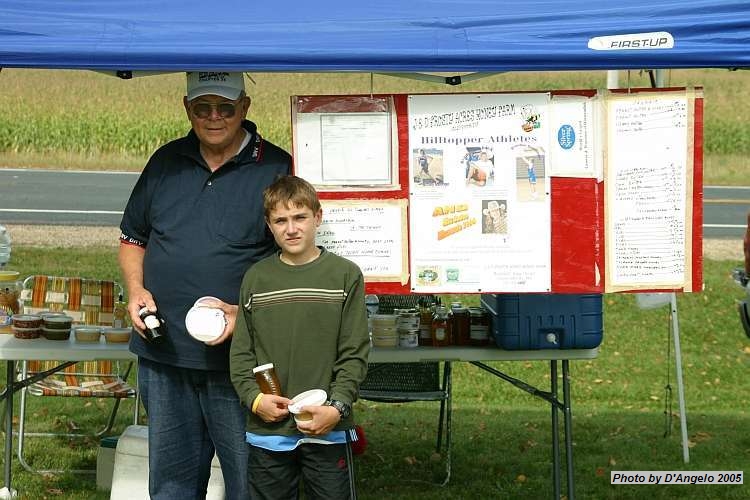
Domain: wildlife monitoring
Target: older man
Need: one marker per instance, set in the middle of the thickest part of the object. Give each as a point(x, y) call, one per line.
point(193, 225)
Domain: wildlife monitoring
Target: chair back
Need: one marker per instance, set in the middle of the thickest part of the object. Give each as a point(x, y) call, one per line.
point(87, 301)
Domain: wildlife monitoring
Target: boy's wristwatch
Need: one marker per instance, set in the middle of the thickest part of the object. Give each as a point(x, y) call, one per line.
point(344, 409)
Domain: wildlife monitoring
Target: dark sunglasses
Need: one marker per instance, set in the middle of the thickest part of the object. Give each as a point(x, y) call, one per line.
point(204, 109)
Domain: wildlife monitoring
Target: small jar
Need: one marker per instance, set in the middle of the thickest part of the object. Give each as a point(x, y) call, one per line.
point(460, 324)
point(408, 338)
point(10, 291)
point(440, 328)
point(408, 319)
point(268, 381)
point(479, 331)
point(425, 322)
point(156, 327)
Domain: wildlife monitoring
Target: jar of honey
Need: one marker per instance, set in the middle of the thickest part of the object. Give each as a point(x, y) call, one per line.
point(441, 335)
point(268, 381)
point(479, 330)
point(426, 312)
point(10, 292)
point(460, 324)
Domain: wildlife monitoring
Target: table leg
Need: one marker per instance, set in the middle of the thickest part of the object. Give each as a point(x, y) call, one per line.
point(555, 431)
point(567, 416)
point(9, 381)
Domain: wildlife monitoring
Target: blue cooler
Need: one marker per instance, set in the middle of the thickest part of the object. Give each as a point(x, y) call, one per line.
point(545, 321)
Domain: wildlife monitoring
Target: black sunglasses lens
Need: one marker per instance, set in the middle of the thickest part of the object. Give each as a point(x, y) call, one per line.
point(203, 109)
point(226, 109)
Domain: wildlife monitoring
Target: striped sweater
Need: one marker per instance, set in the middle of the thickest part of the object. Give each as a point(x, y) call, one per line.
point(310, 322)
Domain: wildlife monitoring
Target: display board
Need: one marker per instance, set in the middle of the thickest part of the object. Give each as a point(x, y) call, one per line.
point(554, 191)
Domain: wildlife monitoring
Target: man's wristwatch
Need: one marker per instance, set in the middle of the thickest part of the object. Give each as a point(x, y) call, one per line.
point(344, 409)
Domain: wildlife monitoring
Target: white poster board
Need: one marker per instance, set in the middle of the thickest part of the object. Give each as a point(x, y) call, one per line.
point(648, 187)
point(479, 193)
point(371, 233)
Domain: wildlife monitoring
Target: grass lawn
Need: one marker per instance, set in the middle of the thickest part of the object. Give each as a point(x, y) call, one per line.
point(622, 417)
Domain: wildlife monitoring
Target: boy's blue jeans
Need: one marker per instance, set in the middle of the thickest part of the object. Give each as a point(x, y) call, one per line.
point(191, 413)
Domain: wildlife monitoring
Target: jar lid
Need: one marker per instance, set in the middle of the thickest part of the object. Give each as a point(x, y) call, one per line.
point(27, 317)
point(267, 366)
point(114, 330)
point(9, 275)
point(205, 323)
point(477, 311)
point(57, 320)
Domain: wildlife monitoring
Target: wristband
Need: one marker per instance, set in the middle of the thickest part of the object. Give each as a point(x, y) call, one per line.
point(256, 402)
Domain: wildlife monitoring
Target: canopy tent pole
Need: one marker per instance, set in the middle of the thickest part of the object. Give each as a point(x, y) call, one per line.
point(680, 386)
point(660, 77)
point(613, 79)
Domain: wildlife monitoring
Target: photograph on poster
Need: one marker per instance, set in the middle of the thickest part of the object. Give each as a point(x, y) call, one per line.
point(494, 217)
point(427, 167)
point(479, 166)
point(530, 173)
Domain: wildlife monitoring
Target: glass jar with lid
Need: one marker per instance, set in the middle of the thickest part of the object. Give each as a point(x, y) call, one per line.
point(479, 330)
point(460, 324)
point(10, 293)
point(426, 311)
point(441, 335)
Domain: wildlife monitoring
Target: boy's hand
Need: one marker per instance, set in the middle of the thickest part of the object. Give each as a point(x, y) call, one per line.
point(324, 420)
point(273, 408)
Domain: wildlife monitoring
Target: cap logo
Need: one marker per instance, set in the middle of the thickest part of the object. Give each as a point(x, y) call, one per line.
point(212, 76)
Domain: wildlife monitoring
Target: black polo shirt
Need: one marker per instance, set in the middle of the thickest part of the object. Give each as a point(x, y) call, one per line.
point(201, 231)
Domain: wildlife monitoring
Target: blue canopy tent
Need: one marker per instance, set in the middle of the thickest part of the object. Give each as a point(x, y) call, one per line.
point(385, 36)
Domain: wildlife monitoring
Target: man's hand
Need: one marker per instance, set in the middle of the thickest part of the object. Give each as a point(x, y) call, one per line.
point(273, 408)
point(324, 420)
point(230, 314)
point(138, 299)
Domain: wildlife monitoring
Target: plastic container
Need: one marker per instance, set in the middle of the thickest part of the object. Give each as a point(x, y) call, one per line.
point(55, 333)
point(87, 333)
point(27, 321)
point(313, 397)
point(26, 333)
point(205, 323)
point(545, 321)
point(130, 474)
point(57, 322)
point(116, 335)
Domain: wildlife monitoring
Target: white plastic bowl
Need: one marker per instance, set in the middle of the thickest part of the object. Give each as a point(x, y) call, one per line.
point(205, 323)
point(313, 397)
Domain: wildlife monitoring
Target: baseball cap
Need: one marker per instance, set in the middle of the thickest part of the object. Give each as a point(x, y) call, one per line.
point(220, 83)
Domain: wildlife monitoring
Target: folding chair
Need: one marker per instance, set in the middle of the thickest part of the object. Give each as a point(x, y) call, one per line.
point(409, 382)
point(89, 302)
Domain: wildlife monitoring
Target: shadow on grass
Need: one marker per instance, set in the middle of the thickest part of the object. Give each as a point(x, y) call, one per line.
point(506, 453)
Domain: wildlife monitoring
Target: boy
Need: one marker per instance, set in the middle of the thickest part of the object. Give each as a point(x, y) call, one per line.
point(303, 310)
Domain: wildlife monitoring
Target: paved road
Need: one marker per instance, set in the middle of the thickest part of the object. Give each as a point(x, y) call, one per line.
point(97, 199)
point(64, 197)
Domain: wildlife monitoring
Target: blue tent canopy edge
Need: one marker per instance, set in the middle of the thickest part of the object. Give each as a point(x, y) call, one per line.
point(389, 35)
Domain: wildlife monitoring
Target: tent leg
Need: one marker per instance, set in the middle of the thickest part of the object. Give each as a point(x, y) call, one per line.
point(680, 386)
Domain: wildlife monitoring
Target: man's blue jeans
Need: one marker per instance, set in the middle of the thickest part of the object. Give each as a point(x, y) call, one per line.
point(191, 413)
